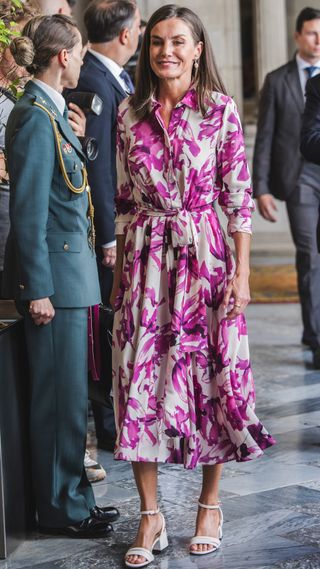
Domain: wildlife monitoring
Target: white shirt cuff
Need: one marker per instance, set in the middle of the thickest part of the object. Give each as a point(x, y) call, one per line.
point(111, 244)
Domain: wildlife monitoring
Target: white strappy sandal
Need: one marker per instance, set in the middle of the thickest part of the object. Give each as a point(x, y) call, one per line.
point(206, 539)
point(160, 543)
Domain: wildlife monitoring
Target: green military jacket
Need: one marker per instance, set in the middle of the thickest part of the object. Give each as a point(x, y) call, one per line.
point(48, 252)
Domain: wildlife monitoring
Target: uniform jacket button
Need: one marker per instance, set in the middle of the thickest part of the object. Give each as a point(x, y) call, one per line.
point(21, 286)
point(66, 247)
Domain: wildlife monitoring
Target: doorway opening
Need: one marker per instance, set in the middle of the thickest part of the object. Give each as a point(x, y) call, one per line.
point(249, 79)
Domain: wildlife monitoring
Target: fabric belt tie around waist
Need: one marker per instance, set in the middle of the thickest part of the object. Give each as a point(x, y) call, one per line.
point(181, 223)
point(188, 313)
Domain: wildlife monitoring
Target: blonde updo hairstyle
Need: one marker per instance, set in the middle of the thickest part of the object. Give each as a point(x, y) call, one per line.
point(42, 38)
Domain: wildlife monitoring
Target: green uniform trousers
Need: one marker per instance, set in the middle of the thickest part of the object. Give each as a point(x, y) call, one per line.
point(58, 367)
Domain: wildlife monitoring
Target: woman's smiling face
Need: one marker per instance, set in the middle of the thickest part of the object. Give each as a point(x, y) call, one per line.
point(173, 50)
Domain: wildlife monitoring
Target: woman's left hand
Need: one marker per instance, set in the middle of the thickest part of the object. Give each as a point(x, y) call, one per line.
point(238, 289)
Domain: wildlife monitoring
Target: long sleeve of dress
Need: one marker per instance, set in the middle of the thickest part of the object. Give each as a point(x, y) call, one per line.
point(235, 197)
point(124, 199)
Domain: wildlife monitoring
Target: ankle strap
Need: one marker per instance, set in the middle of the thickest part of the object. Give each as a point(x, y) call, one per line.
point(207, 507)
point(150, 512)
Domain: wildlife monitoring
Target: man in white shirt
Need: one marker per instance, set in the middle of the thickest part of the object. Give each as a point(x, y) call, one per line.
point(113, 30)
point(280, 171)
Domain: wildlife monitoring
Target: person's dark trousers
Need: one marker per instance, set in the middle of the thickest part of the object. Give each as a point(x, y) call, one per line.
point(57, 355)
point(104, 416)
point(303, 217)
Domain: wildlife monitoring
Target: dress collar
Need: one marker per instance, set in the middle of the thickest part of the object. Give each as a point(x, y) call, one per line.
point(190, 99)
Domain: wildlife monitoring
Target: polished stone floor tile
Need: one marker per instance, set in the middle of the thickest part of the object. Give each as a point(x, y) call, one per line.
point(269, 476)
point(103, 492)
point(307, 562)
point(279, 425)
point(293, 408)
point(308, 535)
point(271, 505)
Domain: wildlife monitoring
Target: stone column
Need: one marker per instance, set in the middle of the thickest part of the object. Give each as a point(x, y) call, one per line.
point(270, 36)
point(222, 21)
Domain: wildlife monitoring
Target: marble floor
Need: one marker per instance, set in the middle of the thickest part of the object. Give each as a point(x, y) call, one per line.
point(271, 505)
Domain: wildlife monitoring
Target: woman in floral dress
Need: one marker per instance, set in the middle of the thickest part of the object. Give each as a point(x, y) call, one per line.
point(183, 387)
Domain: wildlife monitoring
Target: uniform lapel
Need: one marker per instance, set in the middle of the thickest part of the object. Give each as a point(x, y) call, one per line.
point(294, 85)
point(68, 133)
point(65, 129)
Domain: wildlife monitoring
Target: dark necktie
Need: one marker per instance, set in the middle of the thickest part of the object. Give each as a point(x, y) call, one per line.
point(127, 79)
point(65, 113)
point(310, 70)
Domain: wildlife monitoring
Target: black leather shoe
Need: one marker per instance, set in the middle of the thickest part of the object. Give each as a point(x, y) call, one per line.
point(109, 514)
point(87, 529)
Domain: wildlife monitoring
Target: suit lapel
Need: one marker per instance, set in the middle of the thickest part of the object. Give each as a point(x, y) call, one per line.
point(63, 125)
point(294, 85)
point(110, 78)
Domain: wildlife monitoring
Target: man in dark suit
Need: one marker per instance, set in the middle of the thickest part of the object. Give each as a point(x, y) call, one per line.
point(113, 30)
point(310, 134)
point(280, 171)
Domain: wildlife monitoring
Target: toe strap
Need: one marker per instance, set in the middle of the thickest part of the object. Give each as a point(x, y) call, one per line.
point(142, 552)
point(205, 540)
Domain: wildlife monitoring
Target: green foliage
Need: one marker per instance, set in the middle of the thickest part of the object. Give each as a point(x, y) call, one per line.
point(7, 32)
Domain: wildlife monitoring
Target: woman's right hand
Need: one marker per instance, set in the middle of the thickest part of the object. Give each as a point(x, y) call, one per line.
point(41, 311)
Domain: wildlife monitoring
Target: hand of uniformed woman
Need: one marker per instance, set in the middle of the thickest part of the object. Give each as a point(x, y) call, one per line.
point(41, 311)
point(77, 119)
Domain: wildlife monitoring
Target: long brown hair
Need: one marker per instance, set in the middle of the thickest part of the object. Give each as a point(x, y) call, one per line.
point(206, 78)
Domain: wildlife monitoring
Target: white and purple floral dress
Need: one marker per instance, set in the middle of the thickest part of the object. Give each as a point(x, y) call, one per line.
point(183, 387)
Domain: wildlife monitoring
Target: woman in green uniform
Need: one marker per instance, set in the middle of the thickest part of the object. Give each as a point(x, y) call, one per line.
point(50, 270)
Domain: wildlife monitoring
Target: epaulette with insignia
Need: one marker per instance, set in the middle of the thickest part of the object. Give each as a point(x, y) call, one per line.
point(48, 107)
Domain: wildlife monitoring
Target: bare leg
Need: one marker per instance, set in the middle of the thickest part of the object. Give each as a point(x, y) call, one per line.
point(208, 520)
point(146, 477)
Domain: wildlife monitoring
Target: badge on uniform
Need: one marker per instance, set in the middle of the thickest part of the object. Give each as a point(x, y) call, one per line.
point(67, 148)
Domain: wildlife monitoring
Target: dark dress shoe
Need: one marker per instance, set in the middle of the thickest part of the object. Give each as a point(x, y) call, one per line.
point(109, 514)
point(87, 529)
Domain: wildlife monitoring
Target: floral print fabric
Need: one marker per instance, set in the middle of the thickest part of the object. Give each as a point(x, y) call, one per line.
point(183, 387)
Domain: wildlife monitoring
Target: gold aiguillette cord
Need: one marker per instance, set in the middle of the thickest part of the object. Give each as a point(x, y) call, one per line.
point(72, 188)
